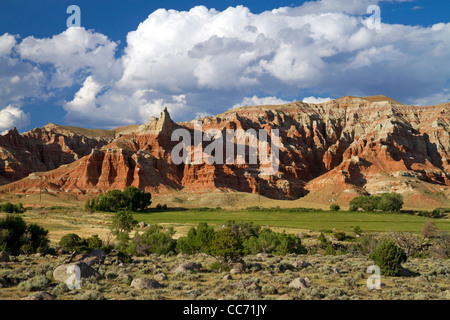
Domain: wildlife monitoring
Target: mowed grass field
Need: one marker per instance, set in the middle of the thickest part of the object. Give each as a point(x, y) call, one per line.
point(315, 221)
point(75, 220)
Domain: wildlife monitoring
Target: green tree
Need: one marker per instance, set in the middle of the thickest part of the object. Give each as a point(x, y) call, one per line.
point(226, 245)
point(12, 230)
point(274, 242)
point(122, 222)
point(131, 199)
point(388, 256)
point(197, 239)
point(390, 202)
point(158, 241)
point(37, 237)
point(94, 242)
point(73, 242)
point(335, 207)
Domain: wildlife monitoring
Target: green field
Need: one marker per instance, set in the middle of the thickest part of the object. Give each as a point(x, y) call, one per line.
point(343, 221)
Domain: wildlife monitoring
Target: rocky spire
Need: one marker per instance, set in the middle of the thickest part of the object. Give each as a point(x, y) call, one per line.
point(164, 124)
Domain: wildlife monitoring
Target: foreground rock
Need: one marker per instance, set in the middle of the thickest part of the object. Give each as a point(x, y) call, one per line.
point(144, 283)
point(300, 264)
point(298, 283)
point(188, 266)
point(42, 295)
point(64, 271)
point(160, 276)
point(94, 257)
point(4, 257)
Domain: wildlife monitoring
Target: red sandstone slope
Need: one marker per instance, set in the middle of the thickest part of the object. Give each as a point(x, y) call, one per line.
point(331, 151)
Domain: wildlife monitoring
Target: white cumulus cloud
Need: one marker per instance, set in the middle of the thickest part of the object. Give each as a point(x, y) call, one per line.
point(315, 100)
point(257, 101)
point(12, 116)
point(204, 61)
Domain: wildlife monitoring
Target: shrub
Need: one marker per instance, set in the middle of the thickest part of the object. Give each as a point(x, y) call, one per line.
point(8, 207)
point(243, 230)
point(357, 230)
point(122, 222)
point(388, 256)
point(335, 207)
point(124, 257)
point(429, 229)
point(340, 236)
point(329, 250)
point(94, 242)
point(368, 243)
point(34, 284)
point(226, 245)
point(15, 234)
point(274, 242)
point(197, 240)
point(440, 212)
point(153, 240)
point(73, 242)
point(322, 238)
point(386, 202)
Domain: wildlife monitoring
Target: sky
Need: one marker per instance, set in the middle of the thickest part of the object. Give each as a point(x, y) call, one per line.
point(127, 60)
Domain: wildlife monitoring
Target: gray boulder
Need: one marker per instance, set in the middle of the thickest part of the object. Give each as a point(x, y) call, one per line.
point(160, 276)
point(300, 264)
point(188, 266)
point(41, 295)
point(64, 271)
point(4, 257)
point(94, 257)
point(144, 283)
point(239, 267)
point(298, 283)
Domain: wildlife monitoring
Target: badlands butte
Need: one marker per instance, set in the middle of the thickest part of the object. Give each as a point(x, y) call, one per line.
point(329, 153)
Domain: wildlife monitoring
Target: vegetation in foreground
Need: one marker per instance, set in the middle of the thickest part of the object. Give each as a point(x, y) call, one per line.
point(229, 259)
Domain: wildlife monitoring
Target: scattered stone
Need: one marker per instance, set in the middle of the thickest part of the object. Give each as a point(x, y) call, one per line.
point(337, 272)
point(285, 266)
point(4, 257)
point(285, 297)
point(227, 277)
point(298, 283)
point(127, 278)
point(300, 264)
point(62, 273)
point(142, 224)
point(160, 276)
point(41, 295)
point(254, 286)
point(239, 267)
point(94, 257)
point(255, 267)
point(188, 266)
point(144, 283)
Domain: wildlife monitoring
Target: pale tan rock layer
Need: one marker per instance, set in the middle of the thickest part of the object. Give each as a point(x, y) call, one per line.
point(335, 150)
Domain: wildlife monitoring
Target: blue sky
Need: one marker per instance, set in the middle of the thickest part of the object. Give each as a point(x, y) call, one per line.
point(127, 61)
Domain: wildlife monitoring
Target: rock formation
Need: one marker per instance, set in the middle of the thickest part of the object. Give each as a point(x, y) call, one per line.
point(332, 151)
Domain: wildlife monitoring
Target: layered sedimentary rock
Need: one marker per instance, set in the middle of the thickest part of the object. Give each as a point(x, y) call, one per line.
point(333, 150)
point(42, 149)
